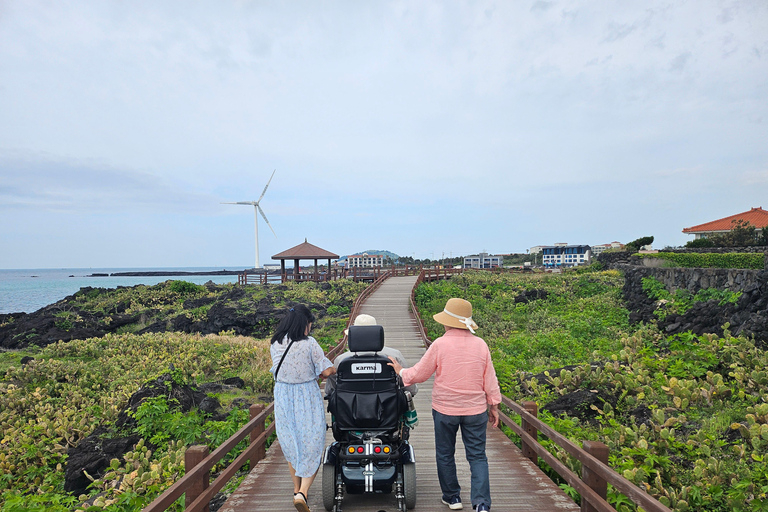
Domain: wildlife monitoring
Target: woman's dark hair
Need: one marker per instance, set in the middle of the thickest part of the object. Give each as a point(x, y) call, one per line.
point(294, 324)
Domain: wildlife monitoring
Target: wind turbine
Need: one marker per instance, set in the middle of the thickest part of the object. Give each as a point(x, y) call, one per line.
point(256, 211)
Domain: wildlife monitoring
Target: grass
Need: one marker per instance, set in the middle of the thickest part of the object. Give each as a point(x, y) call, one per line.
point(704, 447)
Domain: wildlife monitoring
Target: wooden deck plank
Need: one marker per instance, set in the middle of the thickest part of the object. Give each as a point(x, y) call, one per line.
point(517, 485)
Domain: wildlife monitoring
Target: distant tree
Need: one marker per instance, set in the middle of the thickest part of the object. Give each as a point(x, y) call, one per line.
point(638, 244)
point(743, 233)
point(700, 242)
point(518, 258)
point(762, 238)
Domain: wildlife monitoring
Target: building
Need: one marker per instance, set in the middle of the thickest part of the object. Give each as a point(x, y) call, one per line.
point(365, 260)
point(564, 255)
point(597, 249)
point(483, 260)
point(756, 216)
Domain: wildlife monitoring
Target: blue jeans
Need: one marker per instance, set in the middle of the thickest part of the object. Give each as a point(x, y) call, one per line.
point(473, 435)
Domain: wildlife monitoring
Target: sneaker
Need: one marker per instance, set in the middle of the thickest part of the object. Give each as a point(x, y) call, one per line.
point(453, 503)
point(482, 508)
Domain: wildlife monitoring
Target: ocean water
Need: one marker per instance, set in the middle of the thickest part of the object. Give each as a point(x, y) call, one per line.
point(27, 290)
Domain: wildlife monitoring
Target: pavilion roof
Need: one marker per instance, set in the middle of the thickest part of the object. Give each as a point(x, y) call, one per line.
point(304, 251)
point(756, 216)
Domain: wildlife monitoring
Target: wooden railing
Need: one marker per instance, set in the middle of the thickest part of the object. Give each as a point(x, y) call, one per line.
point(596, 474)
point(195, 485)
point(356, 274)
point(593, 456)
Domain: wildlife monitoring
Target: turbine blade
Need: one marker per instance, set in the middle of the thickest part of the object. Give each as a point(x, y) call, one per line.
point(265, 220)
point(251, 203)
point(265, 188)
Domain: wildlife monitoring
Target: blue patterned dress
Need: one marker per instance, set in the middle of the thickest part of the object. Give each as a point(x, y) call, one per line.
point(299, 411)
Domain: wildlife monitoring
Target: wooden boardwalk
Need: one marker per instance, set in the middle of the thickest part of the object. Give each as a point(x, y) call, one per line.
point(517, 485)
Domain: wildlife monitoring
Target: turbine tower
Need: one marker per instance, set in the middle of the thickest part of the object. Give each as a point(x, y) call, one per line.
point(256, 211)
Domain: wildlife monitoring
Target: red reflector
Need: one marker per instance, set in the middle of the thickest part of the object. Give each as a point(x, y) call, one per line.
point(359, 449)
point(377, 449)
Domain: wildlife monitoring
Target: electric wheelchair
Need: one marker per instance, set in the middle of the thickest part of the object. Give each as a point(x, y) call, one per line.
point(371, 452)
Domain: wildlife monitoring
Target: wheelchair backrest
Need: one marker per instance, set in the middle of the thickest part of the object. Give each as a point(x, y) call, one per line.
point(365, 338)
point(368, 394)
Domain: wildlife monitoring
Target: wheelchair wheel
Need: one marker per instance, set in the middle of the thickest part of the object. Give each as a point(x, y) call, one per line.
point(409, 484)
point(329, 486)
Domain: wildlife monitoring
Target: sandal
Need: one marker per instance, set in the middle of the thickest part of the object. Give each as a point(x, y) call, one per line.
point(300, 502)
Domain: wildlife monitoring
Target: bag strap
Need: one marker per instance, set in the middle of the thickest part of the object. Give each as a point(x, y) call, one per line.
point(282, 359)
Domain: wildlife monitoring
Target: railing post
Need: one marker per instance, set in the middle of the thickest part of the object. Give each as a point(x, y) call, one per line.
point(599, 451)
point(261, 451)
point(528, 451)
point(192, 457)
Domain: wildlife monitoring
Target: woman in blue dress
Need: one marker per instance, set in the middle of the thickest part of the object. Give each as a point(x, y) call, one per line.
point(299, 411)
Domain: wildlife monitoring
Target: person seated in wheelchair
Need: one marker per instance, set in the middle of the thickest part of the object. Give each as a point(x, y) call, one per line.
point(367, 405)
point(363, 319)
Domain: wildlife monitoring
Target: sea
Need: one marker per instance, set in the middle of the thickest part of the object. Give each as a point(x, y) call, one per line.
point(27, 290)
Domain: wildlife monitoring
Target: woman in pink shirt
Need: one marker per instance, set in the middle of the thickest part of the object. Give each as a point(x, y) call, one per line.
point(465, 395)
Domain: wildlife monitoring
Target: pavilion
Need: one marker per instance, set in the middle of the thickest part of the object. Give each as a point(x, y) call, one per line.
point(303, 251)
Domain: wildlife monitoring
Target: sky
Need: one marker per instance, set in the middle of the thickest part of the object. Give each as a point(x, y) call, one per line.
point(430, 129)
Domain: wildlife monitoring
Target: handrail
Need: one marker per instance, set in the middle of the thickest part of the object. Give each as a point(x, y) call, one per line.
point(600, 471)
point(202, 468)
point(621, 484)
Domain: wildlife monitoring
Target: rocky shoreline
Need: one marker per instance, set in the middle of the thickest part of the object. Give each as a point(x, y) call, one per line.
point(177, 273)
point(170, 306)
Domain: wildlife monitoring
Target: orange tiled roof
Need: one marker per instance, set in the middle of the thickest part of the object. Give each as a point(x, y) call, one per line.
point(756, 216)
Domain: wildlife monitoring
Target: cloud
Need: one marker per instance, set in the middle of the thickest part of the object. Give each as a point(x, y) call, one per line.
point(541, 5)
point(618, 31)
point(679, 62)
point(74, 186)
point(752, 178)
point(680, 171)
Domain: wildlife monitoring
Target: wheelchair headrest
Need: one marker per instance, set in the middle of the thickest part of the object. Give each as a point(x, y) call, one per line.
point(365, 338)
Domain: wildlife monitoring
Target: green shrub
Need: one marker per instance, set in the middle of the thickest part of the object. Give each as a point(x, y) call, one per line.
point(636, 245)
point(682, 300)
point(186, 288)
point(712, 260)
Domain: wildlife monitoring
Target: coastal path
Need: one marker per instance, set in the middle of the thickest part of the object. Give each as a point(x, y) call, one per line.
point(517, 482)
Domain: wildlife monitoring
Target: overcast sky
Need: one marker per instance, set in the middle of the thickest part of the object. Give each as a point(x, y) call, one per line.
point(424, 128)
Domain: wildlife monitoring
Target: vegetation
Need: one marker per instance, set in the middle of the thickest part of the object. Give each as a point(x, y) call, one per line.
point(682, 300)
point(70, 388)
point(711, 260)
point(685, 416)
point(636, 245)
point(688, 417)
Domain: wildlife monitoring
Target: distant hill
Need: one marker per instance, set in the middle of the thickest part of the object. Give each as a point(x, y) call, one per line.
point(390, 254)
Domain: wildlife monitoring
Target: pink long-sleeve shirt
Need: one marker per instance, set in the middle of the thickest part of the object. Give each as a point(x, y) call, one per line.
point(465, 380)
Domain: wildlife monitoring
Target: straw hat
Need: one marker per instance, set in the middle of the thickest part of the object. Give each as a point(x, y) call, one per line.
point(362, 319)
point(458, 314)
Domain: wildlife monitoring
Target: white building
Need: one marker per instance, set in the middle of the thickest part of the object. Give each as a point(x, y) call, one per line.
point(483, 260)
point(597, 249)
point(564, 255)
point(365, 260)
